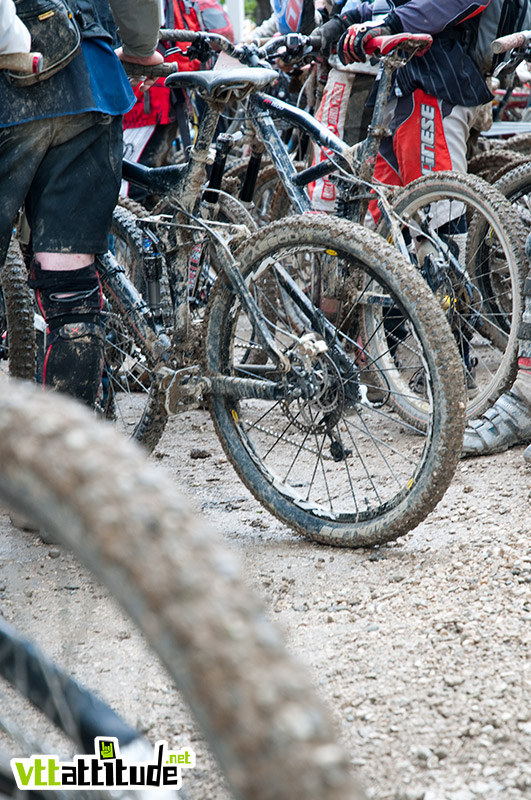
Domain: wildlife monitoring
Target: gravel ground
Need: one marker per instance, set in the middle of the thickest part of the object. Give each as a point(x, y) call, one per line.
point(420, 648)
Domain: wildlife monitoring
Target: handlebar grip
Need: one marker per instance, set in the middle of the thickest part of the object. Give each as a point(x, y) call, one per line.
point(175, 35)
point(511, 42)
point(153, 71)
point(27, 63)
point(314, 42)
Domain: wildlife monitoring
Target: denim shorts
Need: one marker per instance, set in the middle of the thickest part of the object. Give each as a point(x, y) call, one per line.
point(66, 171)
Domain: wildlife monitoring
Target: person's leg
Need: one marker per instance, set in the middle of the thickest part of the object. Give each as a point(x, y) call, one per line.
point(69, 296)
point(80, 173)
point(359, 115)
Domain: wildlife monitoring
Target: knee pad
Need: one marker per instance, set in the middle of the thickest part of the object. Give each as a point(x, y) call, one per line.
point(73, 361)
point(67, 295)
point(71, 302)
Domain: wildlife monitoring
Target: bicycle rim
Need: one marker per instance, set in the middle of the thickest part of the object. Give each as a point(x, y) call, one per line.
point(337, 463)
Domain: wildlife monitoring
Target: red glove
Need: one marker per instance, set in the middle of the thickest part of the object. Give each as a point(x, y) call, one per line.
point(351, 46)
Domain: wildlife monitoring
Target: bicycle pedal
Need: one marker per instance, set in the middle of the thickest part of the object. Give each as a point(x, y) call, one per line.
point(183, 388)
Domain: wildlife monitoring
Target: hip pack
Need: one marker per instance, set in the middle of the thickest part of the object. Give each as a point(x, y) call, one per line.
point(54, 33)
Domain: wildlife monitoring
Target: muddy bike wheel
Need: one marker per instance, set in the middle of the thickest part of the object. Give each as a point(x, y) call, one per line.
point(129, 396)
point(122, 517)
point(127, 238)
point(515, 185)
point(337, 463)
point(486, 165)
point(480, 285)
point(17, 331)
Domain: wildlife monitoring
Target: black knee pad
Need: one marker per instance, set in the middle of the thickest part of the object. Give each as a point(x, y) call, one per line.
point(67, 295)
point(73, 361)
point(70, 302)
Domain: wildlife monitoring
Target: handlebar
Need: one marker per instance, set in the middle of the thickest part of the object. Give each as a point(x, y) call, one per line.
point(248, 53)
point(25, 63)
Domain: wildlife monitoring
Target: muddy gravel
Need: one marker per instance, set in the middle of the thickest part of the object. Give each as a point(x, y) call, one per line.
point(420, 648)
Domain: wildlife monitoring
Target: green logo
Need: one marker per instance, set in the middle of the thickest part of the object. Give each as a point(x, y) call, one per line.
point(106, 749)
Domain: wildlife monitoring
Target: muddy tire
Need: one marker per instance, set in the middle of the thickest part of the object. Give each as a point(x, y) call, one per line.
point(125, 520)
point(488, 164)
point(19, 317)
point(339, 465)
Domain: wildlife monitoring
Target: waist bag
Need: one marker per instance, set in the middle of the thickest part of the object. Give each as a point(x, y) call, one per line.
point(54, 33)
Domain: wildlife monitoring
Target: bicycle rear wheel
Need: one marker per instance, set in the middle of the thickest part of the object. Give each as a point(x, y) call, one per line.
point(474, 261)
point(125, 521)
point(337, 463)
point(17, 333)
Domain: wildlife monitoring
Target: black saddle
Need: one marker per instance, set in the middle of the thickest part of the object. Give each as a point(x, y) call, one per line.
point(218, 82)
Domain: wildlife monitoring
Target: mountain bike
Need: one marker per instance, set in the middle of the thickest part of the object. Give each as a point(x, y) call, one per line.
point(124, 520)
point(474, 260)
point(319, 351)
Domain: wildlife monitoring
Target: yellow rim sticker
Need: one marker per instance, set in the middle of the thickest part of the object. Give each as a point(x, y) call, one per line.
point(235, 415)
point(331, 252)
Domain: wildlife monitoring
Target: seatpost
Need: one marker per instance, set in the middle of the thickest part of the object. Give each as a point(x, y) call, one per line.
point(376, 131)
point(200, 152)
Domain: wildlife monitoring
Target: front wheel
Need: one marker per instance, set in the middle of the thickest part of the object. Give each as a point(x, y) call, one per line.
point(334, 460)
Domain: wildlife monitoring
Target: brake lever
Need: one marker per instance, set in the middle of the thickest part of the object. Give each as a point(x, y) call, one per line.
point(199, 49)
point(506, 67)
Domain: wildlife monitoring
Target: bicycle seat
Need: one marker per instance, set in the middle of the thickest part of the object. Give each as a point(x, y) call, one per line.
point(218, 82)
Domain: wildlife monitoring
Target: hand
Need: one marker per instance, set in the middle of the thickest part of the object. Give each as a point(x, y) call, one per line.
point(351, 46)
point(330, 34)
point(147, 61)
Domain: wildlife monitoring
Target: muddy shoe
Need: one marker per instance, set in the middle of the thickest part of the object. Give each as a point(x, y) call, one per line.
point(507, 423)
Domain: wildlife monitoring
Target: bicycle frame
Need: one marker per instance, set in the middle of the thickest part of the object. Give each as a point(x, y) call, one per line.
point(185, 182)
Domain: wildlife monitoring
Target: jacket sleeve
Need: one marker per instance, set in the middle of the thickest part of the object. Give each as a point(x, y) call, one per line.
point(267, 29)
point(14, 36)
point(138, 23)
point(351, 14)
point(433, 16)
